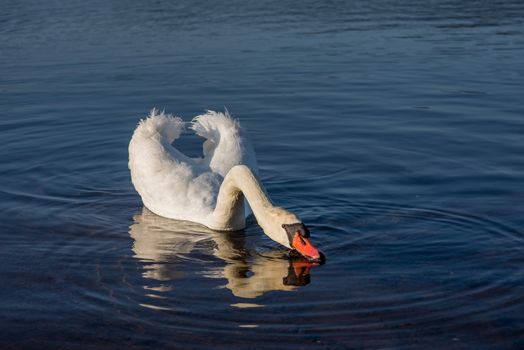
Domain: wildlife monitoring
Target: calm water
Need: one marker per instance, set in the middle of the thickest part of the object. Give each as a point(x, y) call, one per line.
point(394, 129)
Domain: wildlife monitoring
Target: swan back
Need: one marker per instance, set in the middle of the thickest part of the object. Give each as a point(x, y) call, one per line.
point(174, 185)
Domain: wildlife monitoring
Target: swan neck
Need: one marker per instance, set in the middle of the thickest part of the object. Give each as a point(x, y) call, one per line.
point(241, 182)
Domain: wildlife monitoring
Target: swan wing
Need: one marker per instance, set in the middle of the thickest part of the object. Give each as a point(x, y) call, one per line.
point(170, 183)
point(226, 142)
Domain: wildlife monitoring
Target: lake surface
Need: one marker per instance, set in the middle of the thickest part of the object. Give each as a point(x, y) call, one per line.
point(394, 129)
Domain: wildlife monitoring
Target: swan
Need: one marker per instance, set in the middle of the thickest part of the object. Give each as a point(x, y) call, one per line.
point(209, 190)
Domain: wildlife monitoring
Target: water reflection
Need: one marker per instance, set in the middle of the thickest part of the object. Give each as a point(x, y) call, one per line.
point(164, 245)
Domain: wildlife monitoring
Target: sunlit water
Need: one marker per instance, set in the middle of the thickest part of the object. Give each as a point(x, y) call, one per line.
point(394, 129)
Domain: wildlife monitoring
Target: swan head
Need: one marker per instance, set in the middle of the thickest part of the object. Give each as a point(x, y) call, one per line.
point(298, 235)
point(285, 228)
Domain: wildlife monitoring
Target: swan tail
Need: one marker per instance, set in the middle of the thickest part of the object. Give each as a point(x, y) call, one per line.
point(169, 127)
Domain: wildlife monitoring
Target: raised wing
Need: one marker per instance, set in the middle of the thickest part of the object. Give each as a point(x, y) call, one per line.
point(170, 183)
point(226, 142)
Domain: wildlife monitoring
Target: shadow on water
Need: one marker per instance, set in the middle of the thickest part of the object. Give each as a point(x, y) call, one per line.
point(164, 245)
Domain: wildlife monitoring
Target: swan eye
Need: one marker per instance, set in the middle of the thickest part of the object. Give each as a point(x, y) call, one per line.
point(303, 231)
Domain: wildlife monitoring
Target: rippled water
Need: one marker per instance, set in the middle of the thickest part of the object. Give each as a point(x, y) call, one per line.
point(394, 129)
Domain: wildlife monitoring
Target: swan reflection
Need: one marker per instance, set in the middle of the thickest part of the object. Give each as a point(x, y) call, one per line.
point(163, 243)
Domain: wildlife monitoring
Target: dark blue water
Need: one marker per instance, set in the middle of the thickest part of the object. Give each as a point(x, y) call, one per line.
point(394, 129)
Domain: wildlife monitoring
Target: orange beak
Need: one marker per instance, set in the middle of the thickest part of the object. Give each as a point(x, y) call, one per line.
point(304, 247)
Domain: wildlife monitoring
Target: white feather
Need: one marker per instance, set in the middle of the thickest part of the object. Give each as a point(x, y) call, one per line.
point(174, 185)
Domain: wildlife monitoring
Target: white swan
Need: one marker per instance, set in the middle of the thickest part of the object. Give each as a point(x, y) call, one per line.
point(208, 190)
